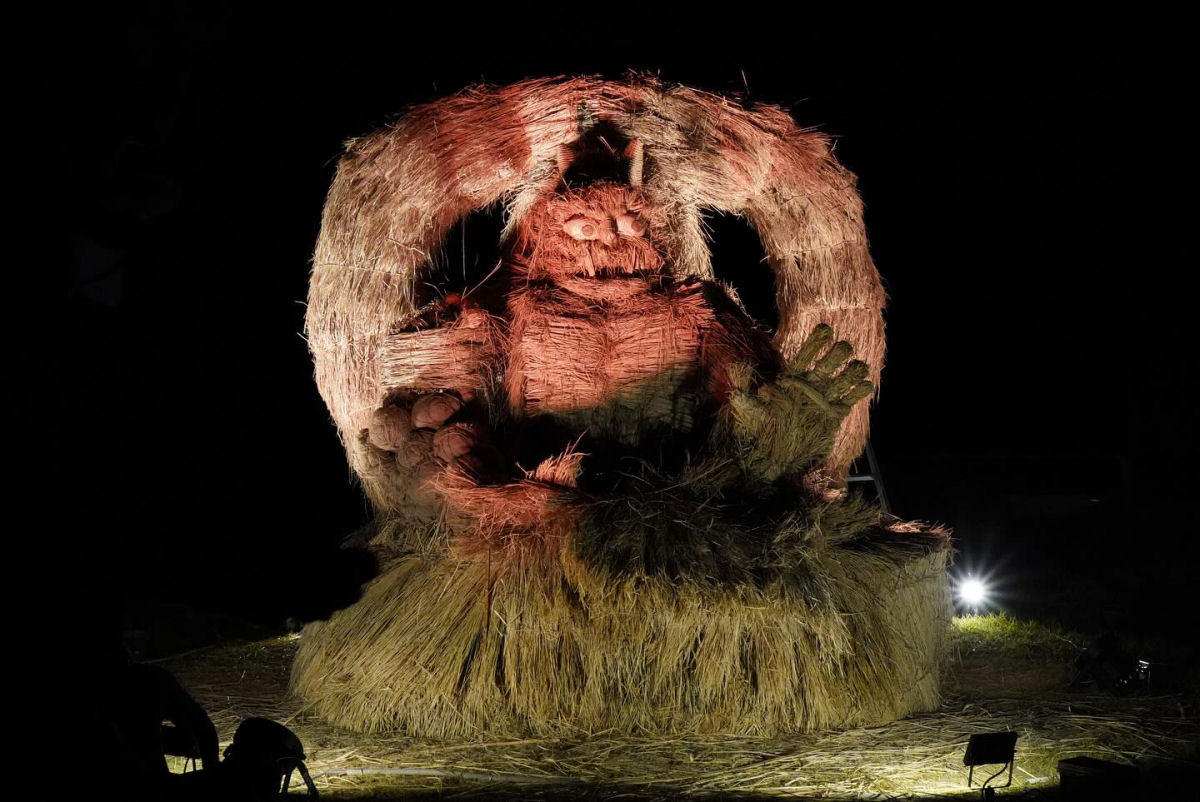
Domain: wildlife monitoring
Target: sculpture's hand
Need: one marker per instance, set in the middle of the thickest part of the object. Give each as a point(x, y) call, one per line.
point(447, 458)
point(434, 429)
point(785, 426)
point(833, 382)
point(411, 441)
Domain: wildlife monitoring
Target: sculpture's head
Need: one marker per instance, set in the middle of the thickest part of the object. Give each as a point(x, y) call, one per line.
point(595, 227)
point(600, 230)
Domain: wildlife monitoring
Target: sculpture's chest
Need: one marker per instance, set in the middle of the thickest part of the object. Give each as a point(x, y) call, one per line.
point(618, 356)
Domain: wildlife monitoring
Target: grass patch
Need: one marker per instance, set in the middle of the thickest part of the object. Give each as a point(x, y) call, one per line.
point(1001, 635)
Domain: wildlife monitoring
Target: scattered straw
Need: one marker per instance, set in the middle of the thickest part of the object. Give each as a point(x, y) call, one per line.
point(920, 755)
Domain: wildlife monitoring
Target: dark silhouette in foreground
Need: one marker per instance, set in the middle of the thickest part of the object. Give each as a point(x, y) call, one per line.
point(258, 765)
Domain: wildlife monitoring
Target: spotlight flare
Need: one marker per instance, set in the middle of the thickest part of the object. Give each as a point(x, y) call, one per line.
point(972, 592)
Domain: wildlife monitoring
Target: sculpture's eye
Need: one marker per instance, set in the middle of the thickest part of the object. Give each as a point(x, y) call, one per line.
point(582, 228)
point(631, 225)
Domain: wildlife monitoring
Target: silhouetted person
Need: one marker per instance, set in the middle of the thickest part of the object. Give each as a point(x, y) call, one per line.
point(262, 757)
point(260, 760)
point(142, 698)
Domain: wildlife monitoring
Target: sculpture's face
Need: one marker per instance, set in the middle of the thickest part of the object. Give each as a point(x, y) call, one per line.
point(600, 230)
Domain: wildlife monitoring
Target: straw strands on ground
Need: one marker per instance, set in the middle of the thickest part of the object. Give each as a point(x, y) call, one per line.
point(920, 755)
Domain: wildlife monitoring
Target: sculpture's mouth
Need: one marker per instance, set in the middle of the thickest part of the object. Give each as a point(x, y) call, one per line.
point(599, 262)
point(624, 256)
point(603, 270)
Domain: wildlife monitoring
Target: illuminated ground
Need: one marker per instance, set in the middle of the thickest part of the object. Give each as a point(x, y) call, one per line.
point(1002, 675)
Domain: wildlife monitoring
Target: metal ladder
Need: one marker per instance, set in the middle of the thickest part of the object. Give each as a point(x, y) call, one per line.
point(873, 475)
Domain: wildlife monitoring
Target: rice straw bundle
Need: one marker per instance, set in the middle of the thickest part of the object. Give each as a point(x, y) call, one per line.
point(740, 593)
point(449, 648)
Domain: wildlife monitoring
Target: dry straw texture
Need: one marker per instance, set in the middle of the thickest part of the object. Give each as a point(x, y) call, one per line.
point(448, 648)
point(919, 756)
point(399, 190)
point(723, 597)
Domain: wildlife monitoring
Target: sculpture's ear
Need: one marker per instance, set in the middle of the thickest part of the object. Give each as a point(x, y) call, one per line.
point(633, 154)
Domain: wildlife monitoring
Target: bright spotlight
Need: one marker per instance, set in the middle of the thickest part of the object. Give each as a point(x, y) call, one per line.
point(972, 592)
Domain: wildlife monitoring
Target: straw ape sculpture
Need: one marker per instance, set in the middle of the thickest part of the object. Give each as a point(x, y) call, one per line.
point(605, 497)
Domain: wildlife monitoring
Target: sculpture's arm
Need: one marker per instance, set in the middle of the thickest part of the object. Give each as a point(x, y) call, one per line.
point(455, 357)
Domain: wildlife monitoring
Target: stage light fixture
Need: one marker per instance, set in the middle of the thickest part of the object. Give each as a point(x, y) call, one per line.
point(991, 749)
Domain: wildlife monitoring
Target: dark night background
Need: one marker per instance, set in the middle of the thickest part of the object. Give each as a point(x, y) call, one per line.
point(1021, 403)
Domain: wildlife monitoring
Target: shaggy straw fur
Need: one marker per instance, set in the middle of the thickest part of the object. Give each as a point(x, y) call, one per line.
point(398, 191)
point(455, 357)
point(622, 373)
point(703, 572)
point(444, 648)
